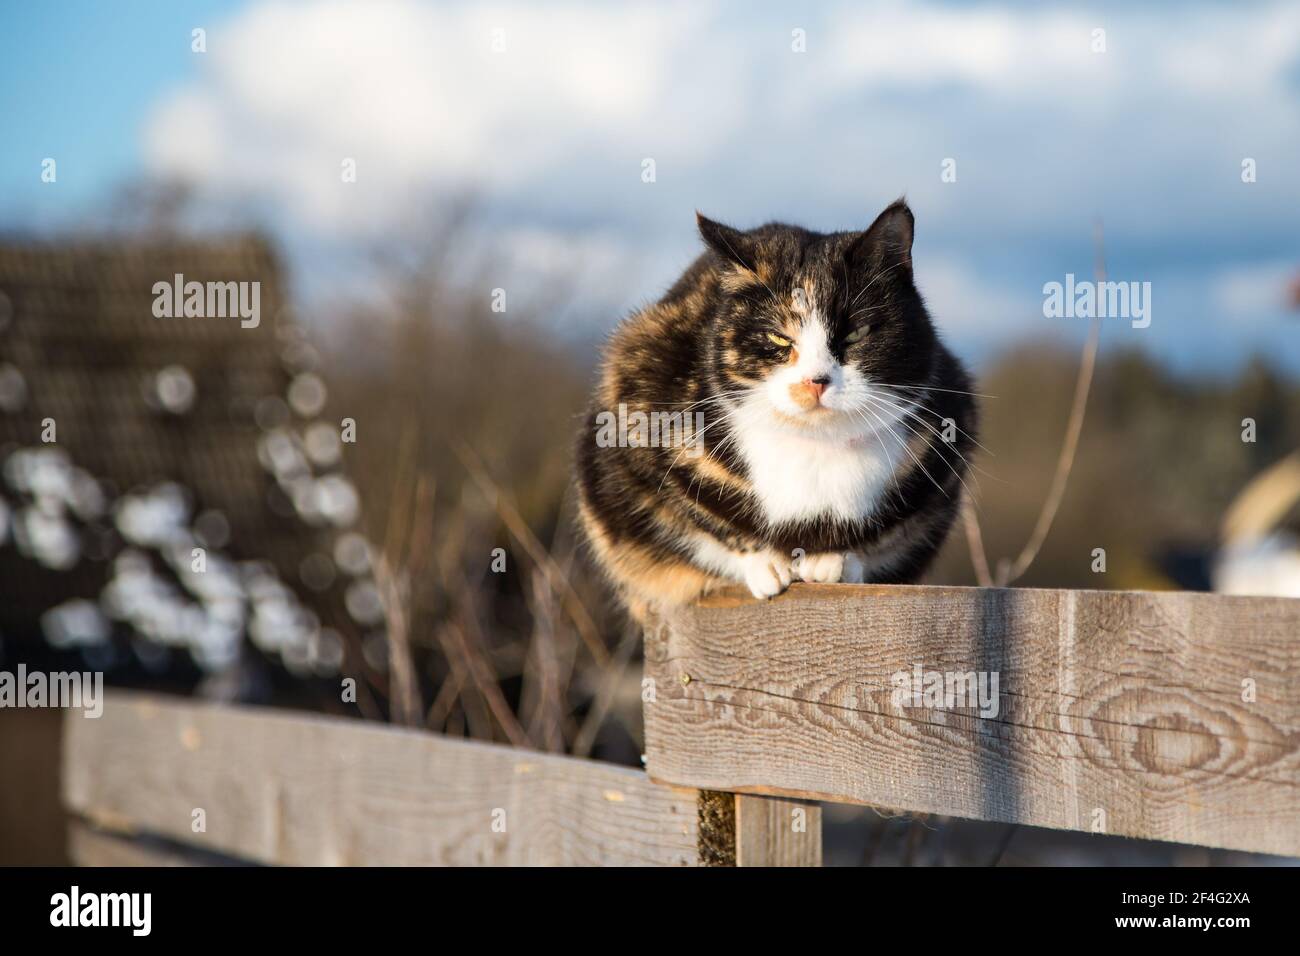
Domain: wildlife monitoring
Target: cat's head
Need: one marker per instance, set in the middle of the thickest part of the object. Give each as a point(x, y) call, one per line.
point(820, 333)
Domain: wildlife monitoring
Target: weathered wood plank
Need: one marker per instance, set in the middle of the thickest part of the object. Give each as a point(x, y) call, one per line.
point(33, 827)
point(287, 788)
point(90, 846)
point(771, 831)
point(1169, 716)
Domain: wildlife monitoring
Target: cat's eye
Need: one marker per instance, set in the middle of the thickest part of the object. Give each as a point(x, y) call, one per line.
point(858, 334)
point(780, 340)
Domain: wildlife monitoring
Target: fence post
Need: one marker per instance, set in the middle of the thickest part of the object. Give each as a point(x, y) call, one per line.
point(772, 831)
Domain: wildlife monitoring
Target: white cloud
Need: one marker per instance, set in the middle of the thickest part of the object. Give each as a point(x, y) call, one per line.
point(418, 96)
point(966, 303)
point(1031, 53)
point(550, 134)
point(926, 45)
point(1249, 291)
point(583, 92)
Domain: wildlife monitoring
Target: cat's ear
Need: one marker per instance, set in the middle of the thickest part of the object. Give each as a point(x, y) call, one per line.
point(886, 243)
point(731, 244)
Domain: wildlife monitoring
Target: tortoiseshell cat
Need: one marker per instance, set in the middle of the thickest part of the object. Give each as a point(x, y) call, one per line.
point(835, 424)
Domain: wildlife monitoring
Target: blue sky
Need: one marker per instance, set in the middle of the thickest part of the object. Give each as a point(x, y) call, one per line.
point(546, 113)
point(77, 80)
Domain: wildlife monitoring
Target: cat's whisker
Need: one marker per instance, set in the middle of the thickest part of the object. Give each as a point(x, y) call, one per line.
point(933, 388)
point(720, 398)
point(919, 463)
point(936, 414)
point(884, 447)
point(975, 441)
point(906, 447)
point(867, 311)
point(883, 426)
point(717, 450)
point(925, 441)
point(694, 438)
point(912, 412)
point(960, 457)
point(715, 455)
point(874, 280)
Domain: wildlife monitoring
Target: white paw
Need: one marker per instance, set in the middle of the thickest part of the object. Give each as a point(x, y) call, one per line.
point(766, 574)
point(855, 572)
point(826, 568)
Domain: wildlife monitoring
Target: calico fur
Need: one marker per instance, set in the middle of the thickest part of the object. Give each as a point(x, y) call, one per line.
point(837, 426)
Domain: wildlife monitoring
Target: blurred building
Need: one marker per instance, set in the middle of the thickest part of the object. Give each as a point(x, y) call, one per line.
point(172, 506)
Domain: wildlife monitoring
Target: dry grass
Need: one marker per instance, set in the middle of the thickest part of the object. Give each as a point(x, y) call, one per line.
point(465, 423)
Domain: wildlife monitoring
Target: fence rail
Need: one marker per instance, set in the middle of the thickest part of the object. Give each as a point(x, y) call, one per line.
point(280, 788)
point(1169, 716)
point(1159, 715)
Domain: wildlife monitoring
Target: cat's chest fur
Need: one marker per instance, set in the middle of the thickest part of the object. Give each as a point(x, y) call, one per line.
point(800, 479)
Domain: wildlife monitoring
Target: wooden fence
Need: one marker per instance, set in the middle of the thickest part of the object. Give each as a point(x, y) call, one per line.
point(1167, 716)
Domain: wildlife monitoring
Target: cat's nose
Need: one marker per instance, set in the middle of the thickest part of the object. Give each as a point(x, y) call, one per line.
point(817, 385)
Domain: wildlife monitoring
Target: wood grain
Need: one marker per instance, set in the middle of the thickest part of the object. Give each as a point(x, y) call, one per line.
point(33, 827)
point(1119, 712)
point(771, 831)
point(90, 846)
point(297, 789)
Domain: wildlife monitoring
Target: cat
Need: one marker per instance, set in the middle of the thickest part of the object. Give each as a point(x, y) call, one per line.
point(835, 426)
